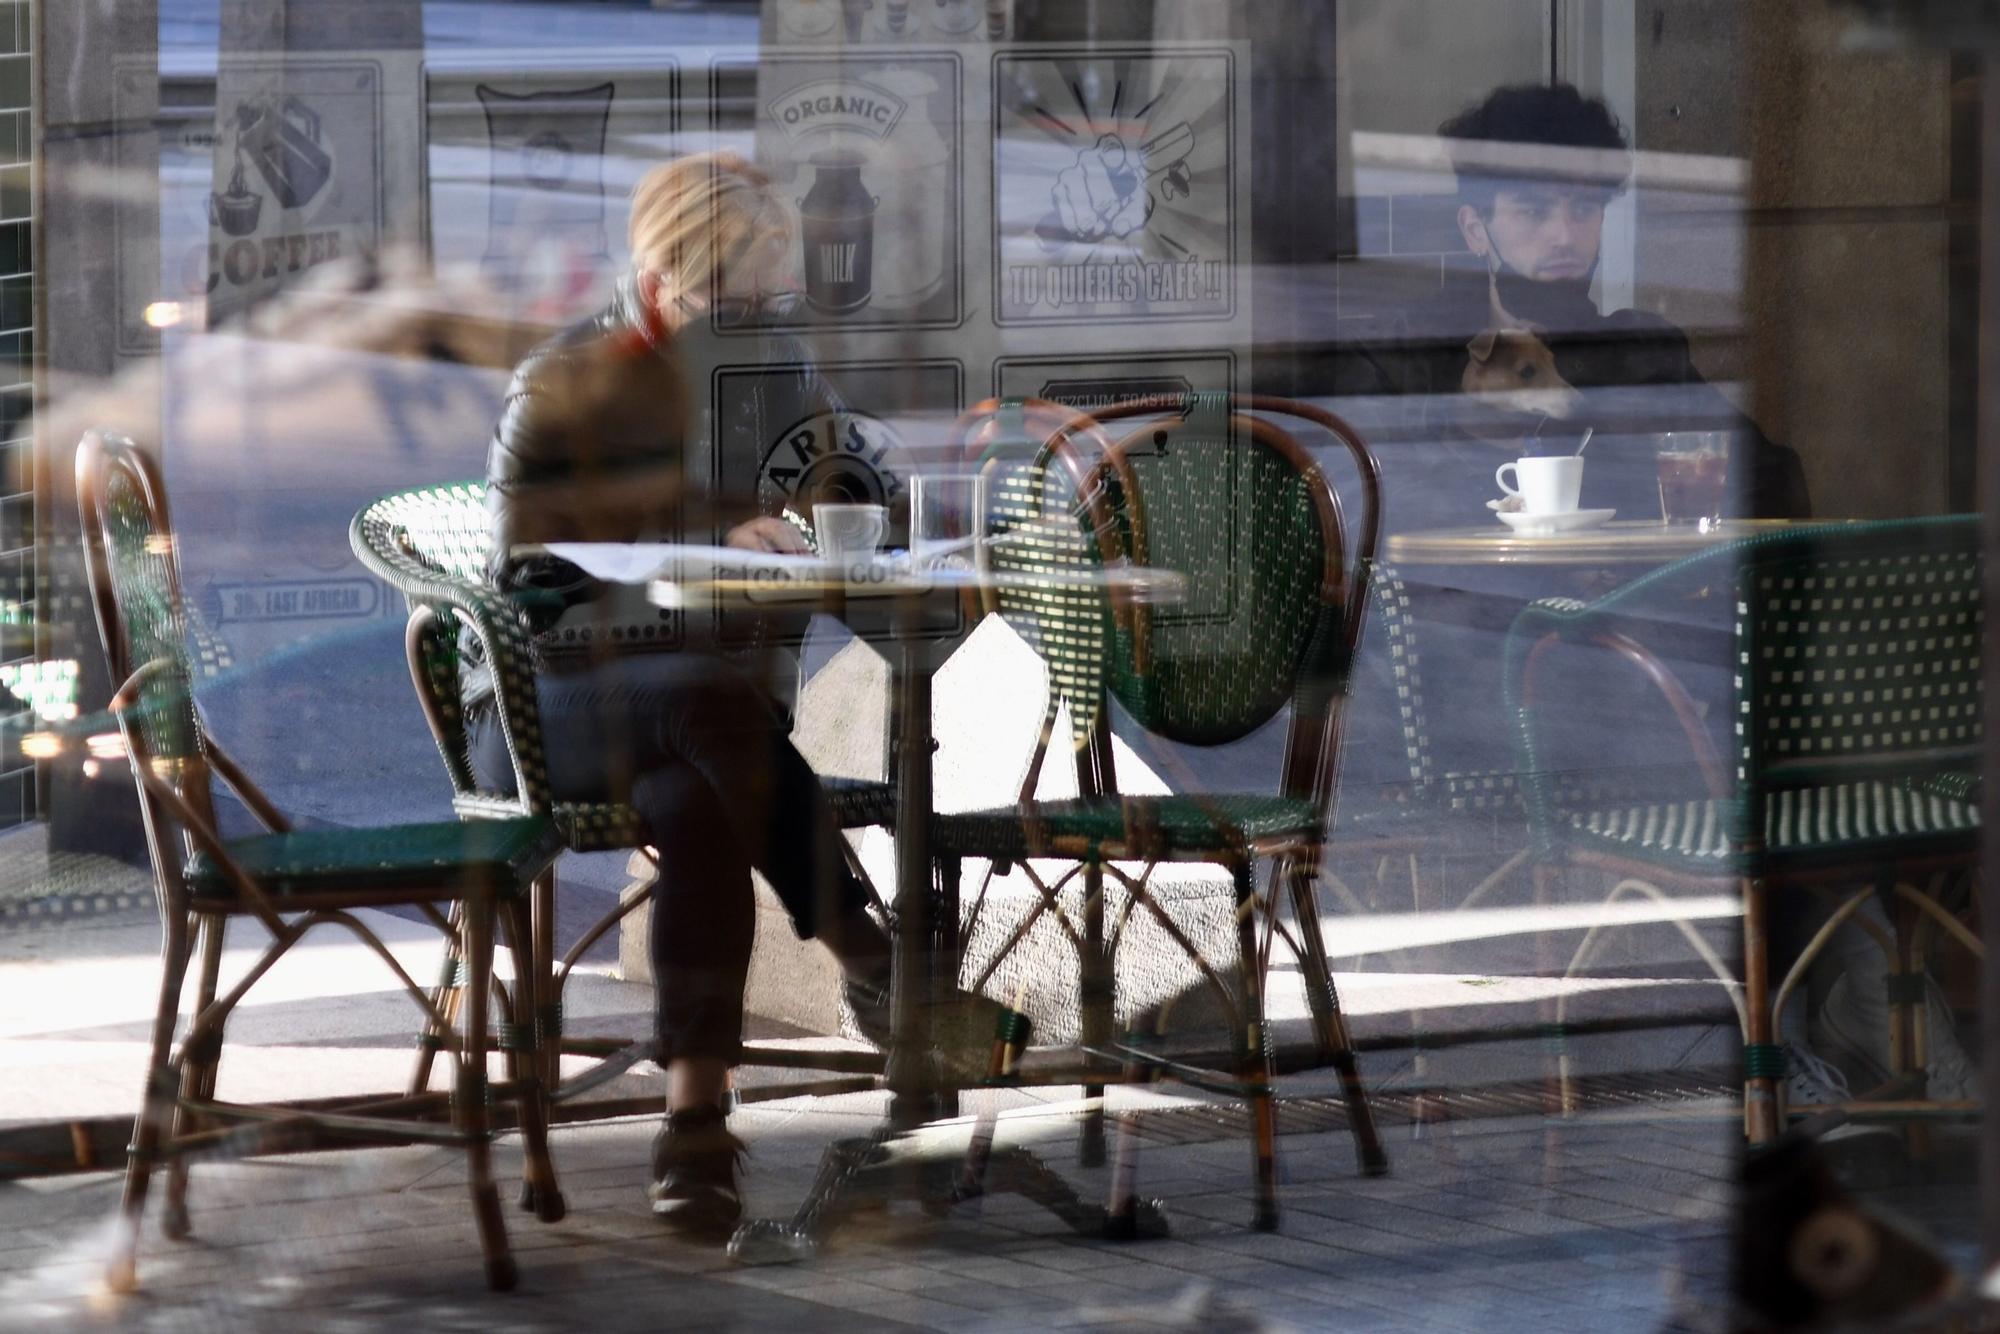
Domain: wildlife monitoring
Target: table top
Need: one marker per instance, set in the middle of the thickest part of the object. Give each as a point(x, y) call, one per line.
point(1620, 542)
point(710, 576)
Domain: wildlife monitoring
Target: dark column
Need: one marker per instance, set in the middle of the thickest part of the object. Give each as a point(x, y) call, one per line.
point(1974, 31)
point(17, 500)
point(1297, 211)
point(93, 134)
point(1989, 506)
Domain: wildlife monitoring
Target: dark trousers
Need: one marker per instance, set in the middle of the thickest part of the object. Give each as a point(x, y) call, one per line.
point(703, 755)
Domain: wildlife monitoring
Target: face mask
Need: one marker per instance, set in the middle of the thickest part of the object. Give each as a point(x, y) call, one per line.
point(1555, 304)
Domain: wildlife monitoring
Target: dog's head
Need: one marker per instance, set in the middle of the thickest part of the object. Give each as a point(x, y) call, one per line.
point(1513, 370)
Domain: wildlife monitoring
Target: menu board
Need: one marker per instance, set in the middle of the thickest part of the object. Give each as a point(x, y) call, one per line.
point(530, 168)
point(1088, 384)
point(1114, 175)
point(869, 149)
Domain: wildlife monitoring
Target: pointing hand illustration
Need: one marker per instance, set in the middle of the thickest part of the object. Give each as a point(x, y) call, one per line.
point(1104, 193)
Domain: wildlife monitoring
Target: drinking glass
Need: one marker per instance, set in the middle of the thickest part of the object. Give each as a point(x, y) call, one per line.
point(947, 519)
point(1694, 476)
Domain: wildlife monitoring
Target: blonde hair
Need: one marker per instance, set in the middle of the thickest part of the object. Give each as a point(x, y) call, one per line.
point(695, 216)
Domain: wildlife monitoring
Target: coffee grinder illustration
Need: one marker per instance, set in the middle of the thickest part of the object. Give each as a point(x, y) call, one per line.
point(284, 143)
point(282, 140)
point(837, 228)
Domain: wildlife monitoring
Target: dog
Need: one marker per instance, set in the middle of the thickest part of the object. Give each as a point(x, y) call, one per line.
point(1512, 373)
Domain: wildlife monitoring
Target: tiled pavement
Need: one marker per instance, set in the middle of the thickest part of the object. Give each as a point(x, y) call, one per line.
point(1480, 1226)
point(1496, 1224)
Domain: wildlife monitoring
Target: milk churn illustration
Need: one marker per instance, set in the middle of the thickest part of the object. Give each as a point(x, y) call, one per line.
point(284, 142)
point(837, 227)
point(912, 169)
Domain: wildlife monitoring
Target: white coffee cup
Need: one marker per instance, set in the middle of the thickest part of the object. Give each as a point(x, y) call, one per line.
point(849, 532)
point(1546, 485)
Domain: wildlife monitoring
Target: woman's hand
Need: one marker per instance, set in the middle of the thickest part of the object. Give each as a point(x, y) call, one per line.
point(767, 533)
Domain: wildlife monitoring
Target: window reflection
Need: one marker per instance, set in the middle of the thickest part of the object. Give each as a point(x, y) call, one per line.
point(1250, 580)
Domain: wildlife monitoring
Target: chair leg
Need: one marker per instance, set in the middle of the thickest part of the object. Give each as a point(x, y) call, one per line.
point(947, 957)
point(1760, 1091)
point(1097, 984)
point(445, 997)
point(1256, 1053)
point(548, 995)
point(1123, 1209)
point(1330, 1025)
point(156, 1110)
point(540, 1189)
point(198, 1073)
point(469, 1096)
point(1548, 882)
point(1907, 1007)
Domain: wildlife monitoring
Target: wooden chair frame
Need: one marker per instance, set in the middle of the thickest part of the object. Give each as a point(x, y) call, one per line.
point(180, 1114)
point(1310, 769)
point(1895, 873)
point(441, 600)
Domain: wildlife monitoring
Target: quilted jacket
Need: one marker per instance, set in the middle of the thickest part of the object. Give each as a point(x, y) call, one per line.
point(603, 436)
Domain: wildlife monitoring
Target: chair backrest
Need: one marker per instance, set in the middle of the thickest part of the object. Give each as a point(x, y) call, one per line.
point(1275, 598)
point(443, 527)
point(1042, 464)
point(1855, 659)
point(130, 554)
point(1041, 540)
point(1391, 602)
point(430, 543)
point(1438, 778)
point(1858, 652)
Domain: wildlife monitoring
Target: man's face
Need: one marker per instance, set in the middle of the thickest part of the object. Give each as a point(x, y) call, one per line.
point(1542, 232)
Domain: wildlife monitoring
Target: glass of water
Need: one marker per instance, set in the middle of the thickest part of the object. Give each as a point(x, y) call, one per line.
point(1694, 477)
point(947, 519)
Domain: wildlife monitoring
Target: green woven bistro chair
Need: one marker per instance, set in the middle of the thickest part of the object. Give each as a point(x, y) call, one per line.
point(288, 880)
point(1223, 496)
point(1443, 806)
point(431, 544)
point(1435, 788)
point(1857, 715)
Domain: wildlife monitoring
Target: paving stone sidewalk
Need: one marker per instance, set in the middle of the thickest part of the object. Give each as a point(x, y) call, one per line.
point(1481, 1226)
point(1508, 1222)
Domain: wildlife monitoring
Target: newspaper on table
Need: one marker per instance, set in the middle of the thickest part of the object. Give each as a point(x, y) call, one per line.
point(691, 567)
point(678, 569)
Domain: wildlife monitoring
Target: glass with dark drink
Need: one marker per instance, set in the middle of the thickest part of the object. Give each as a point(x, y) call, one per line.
point(1694, 474)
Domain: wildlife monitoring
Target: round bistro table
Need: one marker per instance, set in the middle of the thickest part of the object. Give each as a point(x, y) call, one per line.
point(1620, 542)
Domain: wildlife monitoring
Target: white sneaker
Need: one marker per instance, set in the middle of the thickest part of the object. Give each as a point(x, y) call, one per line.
point(1854, 1028)
point(1811, 1082)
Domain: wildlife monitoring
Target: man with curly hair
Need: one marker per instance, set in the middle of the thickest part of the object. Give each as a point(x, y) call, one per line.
point(1537, 166)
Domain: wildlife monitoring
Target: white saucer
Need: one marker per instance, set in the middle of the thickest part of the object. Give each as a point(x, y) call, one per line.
point(1536, 525)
